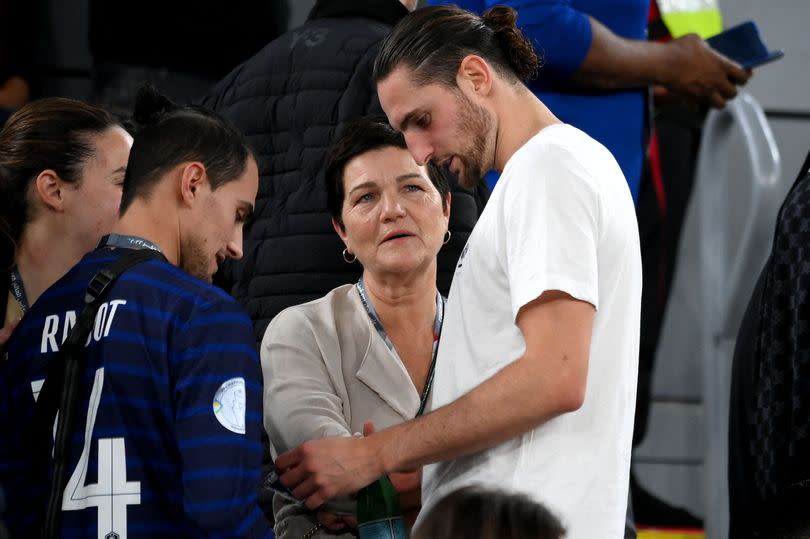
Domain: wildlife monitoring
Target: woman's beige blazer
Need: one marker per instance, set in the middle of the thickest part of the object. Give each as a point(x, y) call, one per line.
point(326, 372)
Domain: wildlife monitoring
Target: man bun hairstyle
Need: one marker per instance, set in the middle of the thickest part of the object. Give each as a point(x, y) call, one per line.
point(150, 105)
point(432, 42)
point(168, 134)
point(518, 49)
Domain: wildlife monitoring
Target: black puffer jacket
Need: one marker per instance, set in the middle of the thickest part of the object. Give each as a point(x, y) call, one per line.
point(290, 99)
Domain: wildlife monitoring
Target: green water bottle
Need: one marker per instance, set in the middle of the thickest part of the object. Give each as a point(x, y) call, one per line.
point(379, 515)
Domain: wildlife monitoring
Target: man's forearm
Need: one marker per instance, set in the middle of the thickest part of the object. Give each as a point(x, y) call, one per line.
point(614, 62)
point(515, 400)
point(548, 380)
point(687, 66)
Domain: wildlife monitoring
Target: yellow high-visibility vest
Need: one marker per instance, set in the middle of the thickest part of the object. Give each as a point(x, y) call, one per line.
point(683, 17)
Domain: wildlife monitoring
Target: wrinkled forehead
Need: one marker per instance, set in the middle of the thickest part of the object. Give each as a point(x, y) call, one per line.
point(388, 164)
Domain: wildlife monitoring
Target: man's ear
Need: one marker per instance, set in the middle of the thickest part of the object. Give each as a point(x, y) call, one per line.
point(193, 178)
point(48, 188)
point(475, 75)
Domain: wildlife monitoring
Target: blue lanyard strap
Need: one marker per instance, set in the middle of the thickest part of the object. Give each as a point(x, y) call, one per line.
point(127, 242)
point(18, 289)
point(437, 331)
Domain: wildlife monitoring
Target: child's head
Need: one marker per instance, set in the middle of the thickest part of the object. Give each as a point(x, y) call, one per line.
point(479, 513)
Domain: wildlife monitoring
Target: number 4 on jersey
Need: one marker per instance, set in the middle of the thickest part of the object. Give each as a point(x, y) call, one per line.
point(112, 493)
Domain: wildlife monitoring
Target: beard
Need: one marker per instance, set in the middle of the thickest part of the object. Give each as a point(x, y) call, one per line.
point(193, 258)
point(477, 121)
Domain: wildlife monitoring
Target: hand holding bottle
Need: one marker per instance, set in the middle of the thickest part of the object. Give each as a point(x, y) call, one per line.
point(407, 484)
point(318, 470)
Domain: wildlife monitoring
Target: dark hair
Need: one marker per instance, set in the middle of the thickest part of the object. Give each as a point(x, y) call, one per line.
point(167, 135)
point(361, 136)
point(432, 42)
point(479, 513)
point(52, 133)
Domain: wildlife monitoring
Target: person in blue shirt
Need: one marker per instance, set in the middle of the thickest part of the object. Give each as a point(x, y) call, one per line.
point(597, 66)
point(165, 441)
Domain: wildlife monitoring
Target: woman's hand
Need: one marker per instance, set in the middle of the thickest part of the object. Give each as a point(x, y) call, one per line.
point(336, 523)
point(409, 487)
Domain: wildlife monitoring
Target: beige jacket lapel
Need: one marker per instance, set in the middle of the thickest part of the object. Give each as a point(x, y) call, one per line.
point(383, 372)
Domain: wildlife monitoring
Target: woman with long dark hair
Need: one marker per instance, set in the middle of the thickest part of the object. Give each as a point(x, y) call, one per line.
point(62, 165)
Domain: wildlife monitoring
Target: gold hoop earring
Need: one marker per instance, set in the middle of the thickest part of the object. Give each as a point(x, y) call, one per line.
point(347, 254)
point(447, 237)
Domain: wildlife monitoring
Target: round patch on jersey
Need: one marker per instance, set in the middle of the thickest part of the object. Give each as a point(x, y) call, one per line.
point(229, 405)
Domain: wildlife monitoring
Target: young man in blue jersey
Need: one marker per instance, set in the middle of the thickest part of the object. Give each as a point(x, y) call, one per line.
point(166, 436)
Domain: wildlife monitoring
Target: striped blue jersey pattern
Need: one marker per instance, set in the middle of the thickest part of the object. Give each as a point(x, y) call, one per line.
point(166, 435)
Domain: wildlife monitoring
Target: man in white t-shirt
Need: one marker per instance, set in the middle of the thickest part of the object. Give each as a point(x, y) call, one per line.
point(536, 373)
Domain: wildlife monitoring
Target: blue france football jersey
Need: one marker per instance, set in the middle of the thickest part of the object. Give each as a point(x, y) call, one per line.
point(166, 435)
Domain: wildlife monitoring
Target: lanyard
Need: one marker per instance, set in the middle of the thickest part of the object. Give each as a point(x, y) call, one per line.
point(110, 240)
point(126, 242)
point(18, 289)
point(437, 331)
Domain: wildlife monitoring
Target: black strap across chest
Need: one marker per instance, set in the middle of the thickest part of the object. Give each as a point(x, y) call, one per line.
point(59, 392)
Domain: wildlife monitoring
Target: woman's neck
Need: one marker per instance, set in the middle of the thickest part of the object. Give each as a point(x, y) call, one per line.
point(43, 257)
point(403, 302)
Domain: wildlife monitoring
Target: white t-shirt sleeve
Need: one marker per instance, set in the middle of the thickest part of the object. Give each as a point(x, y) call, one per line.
point(551, 221)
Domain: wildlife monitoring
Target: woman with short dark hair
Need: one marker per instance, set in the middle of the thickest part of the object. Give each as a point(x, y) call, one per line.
point(365, 351)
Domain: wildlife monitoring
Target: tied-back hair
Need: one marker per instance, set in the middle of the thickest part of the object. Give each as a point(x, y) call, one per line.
point(167, 135)
point(432, 42)
point(356, 138)
point(476, 512)
point(48, 134)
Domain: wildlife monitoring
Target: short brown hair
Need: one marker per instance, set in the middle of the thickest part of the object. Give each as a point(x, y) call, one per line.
point(358, 137)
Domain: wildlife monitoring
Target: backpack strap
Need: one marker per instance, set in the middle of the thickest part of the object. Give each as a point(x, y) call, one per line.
point(59, 392)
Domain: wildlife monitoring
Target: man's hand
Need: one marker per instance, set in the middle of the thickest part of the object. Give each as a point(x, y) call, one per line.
point(687, 67)
point(318, 470)
point(699, 73)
